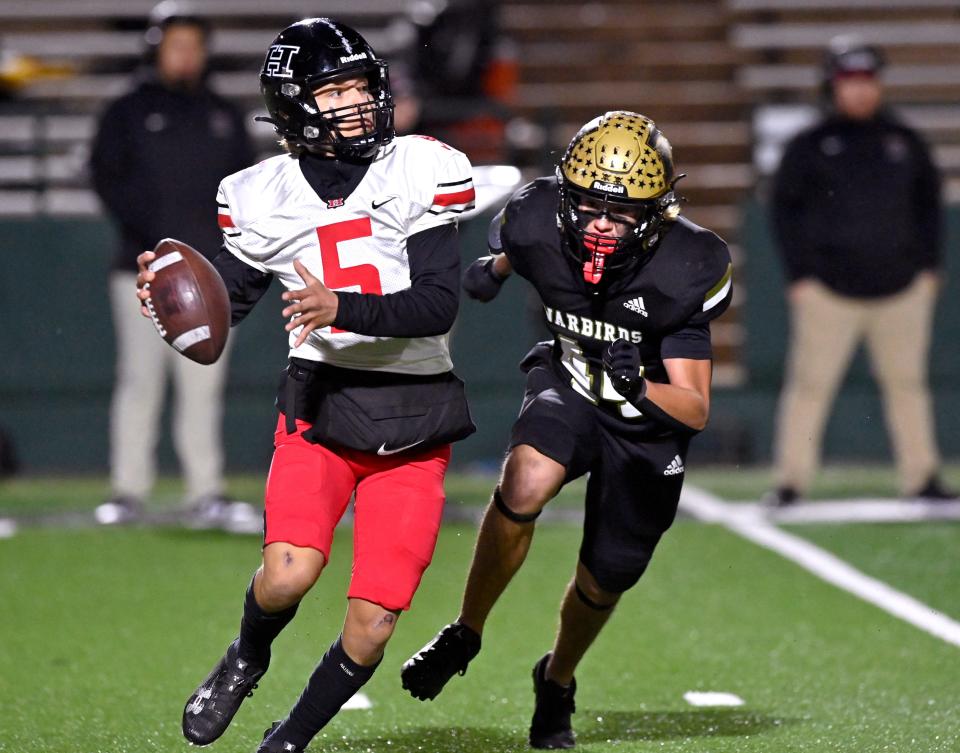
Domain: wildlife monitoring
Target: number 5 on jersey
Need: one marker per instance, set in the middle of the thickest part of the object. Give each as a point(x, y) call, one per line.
point(366, 277)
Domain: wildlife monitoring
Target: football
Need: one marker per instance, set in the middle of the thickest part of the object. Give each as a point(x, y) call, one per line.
point(188, 301)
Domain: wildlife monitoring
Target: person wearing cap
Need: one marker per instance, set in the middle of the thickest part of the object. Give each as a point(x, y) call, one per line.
point(158, 156)
point(856, 213)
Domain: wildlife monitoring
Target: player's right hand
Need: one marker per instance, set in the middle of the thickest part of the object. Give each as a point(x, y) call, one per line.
point(144, 278)
point(481, 281)
point(312, 307)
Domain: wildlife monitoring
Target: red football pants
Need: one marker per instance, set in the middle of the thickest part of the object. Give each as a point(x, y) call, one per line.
point(397, 509)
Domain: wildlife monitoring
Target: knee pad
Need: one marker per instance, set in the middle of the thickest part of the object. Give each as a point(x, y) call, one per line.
point(587, 601)
point(618, 578)
point(509, 514)
point(615, 575)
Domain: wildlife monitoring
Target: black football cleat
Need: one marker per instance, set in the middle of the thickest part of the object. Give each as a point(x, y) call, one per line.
point(550, 728)
point(782, 496)
point(212, 706)
point(935, 491)
point(426, 672)
point(277, 746)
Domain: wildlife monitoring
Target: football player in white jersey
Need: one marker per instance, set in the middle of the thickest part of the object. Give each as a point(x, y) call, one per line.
point(360, 227)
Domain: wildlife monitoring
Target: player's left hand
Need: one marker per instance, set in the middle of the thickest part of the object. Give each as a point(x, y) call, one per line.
point(144, 278)
point(313, 307)
point(621, 361)
point(481, 281)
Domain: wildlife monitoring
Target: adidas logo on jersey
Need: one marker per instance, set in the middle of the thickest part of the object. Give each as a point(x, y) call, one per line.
point(636, 306)
point(675, 467)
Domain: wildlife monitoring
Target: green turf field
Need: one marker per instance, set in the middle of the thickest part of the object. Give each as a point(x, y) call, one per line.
point(106, 632)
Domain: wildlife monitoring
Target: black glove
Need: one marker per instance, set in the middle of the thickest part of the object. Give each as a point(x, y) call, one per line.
point(481, 282)
point(621, 361)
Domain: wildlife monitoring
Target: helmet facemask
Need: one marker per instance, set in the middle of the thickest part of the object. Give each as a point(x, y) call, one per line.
point(618, 167)
point(633, 223)
point(323, 131)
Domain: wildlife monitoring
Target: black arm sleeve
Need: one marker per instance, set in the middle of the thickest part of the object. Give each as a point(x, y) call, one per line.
point(245, 284)
point(428, 307)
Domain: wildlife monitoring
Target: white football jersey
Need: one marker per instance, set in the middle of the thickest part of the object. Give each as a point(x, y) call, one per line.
point(270, 215)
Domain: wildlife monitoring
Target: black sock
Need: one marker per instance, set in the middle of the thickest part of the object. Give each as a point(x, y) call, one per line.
point(336, 678)
point(259, 628)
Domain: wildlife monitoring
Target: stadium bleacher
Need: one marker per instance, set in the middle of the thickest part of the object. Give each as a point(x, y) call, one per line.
point(79, 55)
point(921, 39)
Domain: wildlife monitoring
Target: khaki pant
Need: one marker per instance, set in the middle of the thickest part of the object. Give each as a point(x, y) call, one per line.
point(144, 362)
point(826, 330)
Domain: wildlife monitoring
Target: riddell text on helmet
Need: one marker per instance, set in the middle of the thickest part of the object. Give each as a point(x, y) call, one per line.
point(617, 188)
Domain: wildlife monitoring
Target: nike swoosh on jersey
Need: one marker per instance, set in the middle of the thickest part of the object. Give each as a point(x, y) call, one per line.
point(384, 451)
point(375, 205)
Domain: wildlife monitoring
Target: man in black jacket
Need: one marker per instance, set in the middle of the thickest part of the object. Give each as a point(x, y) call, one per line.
point(159, 154)
point(857, 216)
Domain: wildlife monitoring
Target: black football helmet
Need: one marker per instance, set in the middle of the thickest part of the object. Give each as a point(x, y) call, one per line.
point(619, 165)
point(307, 55)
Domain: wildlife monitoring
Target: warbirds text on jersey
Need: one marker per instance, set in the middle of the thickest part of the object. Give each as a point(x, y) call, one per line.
point(589, 327)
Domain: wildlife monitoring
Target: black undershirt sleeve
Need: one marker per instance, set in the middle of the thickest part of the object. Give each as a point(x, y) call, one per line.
point(693, 341)
point(245, 284)
point(428, 307)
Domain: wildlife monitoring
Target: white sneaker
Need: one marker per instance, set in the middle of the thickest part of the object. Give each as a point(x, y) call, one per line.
point(120, 510)
point(216, 512)
point(242, 517)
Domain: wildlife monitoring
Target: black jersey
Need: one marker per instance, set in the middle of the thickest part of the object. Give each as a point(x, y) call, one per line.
point(663, 304)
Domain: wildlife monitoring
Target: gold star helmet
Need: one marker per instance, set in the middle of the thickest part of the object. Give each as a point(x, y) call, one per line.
point(618, 171)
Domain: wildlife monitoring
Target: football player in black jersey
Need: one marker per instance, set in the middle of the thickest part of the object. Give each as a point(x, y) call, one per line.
point(628, 289)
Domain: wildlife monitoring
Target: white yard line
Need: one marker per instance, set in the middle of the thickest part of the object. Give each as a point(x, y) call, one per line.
point(749, 522)
point(861, 511)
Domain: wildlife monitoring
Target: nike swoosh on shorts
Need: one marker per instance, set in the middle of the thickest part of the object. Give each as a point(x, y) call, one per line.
point(384, 451)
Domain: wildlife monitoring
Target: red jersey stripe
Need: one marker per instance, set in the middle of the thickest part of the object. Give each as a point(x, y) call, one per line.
point(224, 220)
point(460, 197)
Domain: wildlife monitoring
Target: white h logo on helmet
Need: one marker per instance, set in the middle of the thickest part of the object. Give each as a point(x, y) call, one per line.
point(279, 58)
